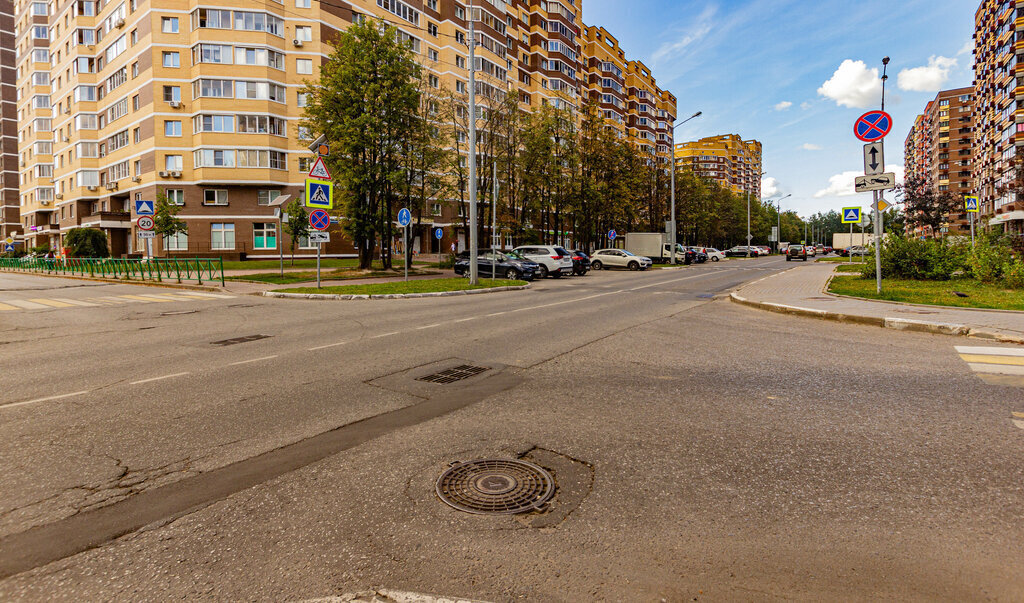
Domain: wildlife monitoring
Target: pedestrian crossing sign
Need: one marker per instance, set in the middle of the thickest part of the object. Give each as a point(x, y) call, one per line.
point(971, 203)
point(319, 194)
point(851, 215)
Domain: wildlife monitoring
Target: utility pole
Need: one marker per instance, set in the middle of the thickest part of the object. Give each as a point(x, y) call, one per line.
point(672, 163)
point(876, 195)
point(474, 267)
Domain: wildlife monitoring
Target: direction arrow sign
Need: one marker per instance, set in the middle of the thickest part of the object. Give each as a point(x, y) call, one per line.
point(319, 170)
point(872, 126)
point(145, 223)
point(147, 234)
point(881, 205)
point(143, 208)
point(877, 182)
point(404, 216)
point(874, 158)
point(851, 215)
point(971, 203)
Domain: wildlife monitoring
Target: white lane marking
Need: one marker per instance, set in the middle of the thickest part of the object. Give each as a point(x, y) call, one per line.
point(466, 319)
point(157, 378)
point(214, 295)
point(982, 351)
point(330, 345)
point(428, 326)
point(74, 302)
point(385, 334)
point(1019, 423)
point(252, 360)
point(123, 300)
point(27, 305)
point(496, 314)
point(46, 399)
point(998, 369)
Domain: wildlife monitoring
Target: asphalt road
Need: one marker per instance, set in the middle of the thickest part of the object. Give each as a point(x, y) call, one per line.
point(717, 451)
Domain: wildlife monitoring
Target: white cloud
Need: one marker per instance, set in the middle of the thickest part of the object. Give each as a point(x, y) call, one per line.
point(927, 78)
point(702, 27)
point(807, 146)
point(769, 187)
point(967, 48)
point(841, 185)
point(853, 85)
point(783, 106)
point(805, 105)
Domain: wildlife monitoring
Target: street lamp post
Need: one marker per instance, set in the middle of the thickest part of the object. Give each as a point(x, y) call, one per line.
point(778, 216)
point(474, 269)
point(672, 171)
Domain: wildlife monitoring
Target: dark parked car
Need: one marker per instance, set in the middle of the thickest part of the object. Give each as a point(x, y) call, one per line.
point(495, 264)
point(797, 252)
point(580, 262)
point(699, 256)
point(740, 251)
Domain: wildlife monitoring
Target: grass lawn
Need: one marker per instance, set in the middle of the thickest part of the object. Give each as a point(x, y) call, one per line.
point(421, 286)
point(854, 268)
point(289, 278)
point(935, 293)
point(305, 263)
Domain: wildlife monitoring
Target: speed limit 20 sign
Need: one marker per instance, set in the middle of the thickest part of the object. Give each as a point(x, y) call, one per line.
point(145, 223)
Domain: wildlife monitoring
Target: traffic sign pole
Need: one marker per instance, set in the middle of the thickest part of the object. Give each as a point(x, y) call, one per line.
point(318, 246)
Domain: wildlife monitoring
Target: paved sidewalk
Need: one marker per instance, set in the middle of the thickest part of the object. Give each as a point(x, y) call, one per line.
point(800, 291)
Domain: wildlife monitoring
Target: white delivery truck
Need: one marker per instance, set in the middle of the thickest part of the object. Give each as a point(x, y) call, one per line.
point(654, 245)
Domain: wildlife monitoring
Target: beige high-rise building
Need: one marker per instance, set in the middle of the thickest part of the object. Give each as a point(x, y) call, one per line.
point(124, 100)
point(729, 160)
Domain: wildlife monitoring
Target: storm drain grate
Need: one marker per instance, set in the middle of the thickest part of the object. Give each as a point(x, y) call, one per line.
point(235, 340)
point(458, 373)
point(495, 486)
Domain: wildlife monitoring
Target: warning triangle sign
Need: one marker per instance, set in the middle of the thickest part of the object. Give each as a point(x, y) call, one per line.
point(852, 215)
point(319, 170)
point(319, 197)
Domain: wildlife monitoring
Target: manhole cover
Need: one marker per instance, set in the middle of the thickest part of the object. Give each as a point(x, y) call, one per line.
point(458, 373)
point(495, 486)
point(235, 340)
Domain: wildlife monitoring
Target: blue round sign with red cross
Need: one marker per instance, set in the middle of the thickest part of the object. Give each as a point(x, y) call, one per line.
point(872, 126)
point(319, 219)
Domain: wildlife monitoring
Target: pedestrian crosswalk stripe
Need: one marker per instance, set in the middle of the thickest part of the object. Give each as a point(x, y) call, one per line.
point(52, 302)
point(998, 369)
point(964, 349)
point(4, 306)
point(992, 359)
point(143, 299)
point(25, 304)
point(75, 302)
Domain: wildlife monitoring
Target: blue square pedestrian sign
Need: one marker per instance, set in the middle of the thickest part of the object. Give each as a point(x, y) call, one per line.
point(319, 194)
point(144, 208)
point(851, 215)
point(971, 203)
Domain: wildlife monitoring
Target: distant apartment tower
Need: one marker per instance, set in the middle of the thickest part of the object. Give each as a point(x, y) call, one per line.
point(999, 128)
point(10, 222)
point(939, 149)
point(729, 160)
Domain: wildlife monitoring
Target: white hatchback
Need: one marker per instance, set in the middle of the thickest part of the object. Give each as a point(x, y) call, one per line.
point(552, 259)
point(618, 258)
point(713, 254)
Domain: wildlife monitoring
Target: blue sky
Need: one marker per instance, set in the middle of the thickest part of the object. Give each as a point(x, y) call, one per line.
point(742, 61)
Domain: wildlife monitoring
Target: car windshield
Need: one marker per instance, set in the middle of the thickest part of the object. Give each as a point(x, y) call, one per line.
point(626, 252)
point(515, 255)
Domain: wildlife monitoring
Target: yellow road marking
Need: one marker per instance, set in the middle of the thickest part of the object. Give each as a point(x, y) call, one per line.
point(4, 306)
point(1019, 415)
point(1009, 380)
point(993, 359)
point(52, 302)
point(75, 302)
point(143, 299)
point(184, 295)
point(999, 369)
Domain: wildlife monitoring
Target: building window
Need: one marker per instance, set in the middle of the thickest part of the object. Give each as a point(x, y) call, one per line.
point(303, 33)
point(264, 235)
point(304, 66)
point(435, 209)
point(172, 94)
point(176, 242)
point(172, 163)
point(303, 3)
point(135, 103)
point(264, 197)
point(172, 128)
point(171, 59)
point(304, 164)
point(222, 235)
point(169, 25)
point(175, 196)
point(302, 99)
point(215, 196)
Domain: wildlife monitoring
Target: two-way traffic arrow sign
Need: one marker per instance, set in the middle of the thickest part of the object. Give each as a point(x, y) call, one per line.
point(874, 158)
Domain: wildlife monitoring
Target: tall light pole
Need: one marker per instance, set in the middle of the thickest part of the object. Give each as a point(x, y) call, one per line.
point(672, 168)
point(474, 268)
point(778, 216)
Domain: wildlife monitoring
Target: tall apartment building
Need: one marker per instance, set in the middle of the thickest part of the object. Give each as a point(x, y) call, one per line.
point(939, 149)
point(999, 112)
point(122, 100)
point(10, 223)
point(728, 159)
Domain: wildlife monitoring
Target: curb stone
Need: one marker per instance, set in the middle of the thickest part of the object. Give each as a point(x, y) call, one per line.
point(335, 296)
point(899, 324)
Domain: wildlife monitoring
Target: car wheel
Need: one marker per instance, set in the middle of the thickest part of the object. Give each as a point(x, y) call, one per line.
point(633, 266)
point(714, 259)
point(542, 271)
point(788, 258)
point(512, 274)
point(596, 265)
point(557, 274)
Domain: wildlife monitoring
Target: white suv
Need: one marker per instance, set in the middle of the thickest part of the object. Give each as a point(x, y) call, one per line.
point(553, 260)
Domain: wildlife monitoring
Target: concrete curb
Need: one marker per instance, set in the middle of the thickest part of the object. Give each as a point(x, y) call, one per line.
point(116, 281)
point(899, 324)
point(322, 296)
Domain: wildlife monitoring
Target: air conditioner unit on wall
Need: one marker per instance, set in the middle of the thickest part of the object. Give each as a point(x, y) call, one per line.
point(174, 104)
point(44, 203)
point(164, 174)
point(119, 23)
point(297, 42)
point(175, 174)
point(59, 195)
point(136, 178)
point(92, 188)
point(111, 186)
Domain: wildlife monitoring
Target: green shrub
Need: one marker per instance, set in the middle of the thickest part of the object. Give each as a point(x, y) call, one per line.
point(989, 259)
point(87, 243)
point(915, 259)
point(1013, 274)
point(448, 261)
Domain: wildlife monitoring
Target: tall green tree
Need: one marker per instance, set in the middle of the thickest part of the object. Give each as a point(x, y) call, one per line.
point(926, 207)
point(165, 219)
point(297, 225)
point(366, 104)
point(87, 243)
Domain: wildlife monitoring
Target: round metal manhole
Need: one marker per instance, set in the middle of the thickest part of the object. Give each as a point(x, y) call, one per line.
point(495, 486)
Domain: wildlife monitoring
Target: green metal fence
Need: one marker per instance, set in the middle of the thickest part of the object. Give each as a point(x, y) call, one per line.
point(154, 269)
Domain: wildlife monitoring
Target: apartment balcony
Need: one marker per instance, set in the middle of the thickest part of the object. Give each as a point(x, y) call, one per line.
point(108, 219)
